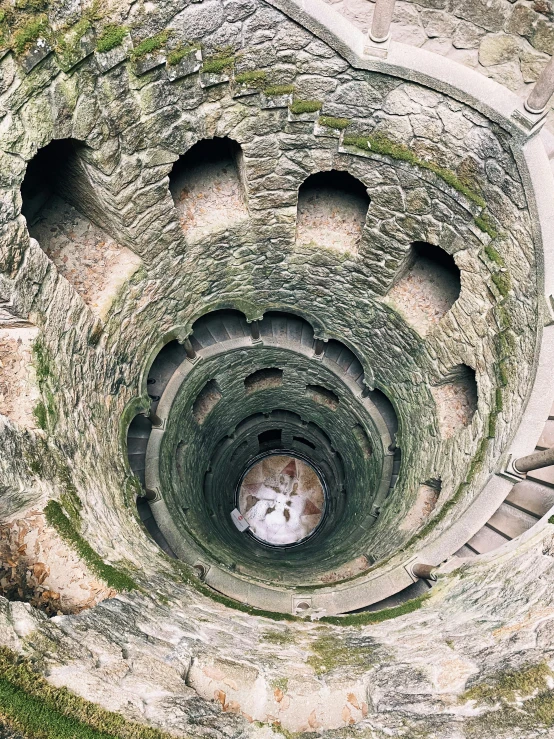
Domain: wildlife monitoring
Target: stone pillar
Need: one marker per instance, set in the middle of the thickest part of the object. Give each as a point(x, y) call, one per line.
point(542, 91)
point(255, 330)
point(189, 349)
point(382, 17)
point(319, 346)
point(535, 461)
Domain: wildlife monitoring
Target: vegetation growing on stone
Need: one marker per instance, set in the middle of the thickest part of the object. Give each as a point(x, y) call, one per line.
point(330, 652)
point(494, 255)
point(521, 698)
point(177, 54)
point(218, 64)
point(29, 32)
point(150, 45)
point(339, 124)
point(503, 282)
point(484, 222)
point(277, 90)
point(253, 78)
point(111, 36)
point(376, 617)
point(379, 144)
point(298, 107)
point(30, 705)
point(112, 577)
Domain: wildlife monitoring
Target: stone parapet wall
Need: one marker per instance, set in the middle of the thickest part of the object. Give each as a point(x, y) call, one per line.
point(507, 40)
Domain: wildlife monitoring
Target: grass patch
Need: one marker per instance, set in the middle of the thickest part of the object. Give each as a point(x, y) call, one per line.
point(254, 78)
point(111, 36)
point(376, 617)
point(484, 223)
point(150, 45)
point(280, 638)
point(29, 32)
point(177, 54)
point(339, 124)
point(218, 64)
point(113, 578)
point(494, 255)
point(380, 144)
point(41, 361)
point(41, 415)
point(507, 686)
point(503, 282)
point(298, 107)
point(33, 707)
point(330, 652)
point(277, 90)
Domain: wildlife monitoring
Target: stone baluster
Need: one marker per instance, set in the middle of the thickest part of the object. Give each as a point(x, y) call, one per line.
point(382, 17)
point(542, 91)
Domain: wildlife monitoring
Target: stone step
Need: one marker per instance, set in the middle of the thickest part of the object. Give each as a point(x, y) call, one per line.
point(164, 366)
point(485, 540)
point(510, 521)
point(140, 428)
point(137, 445)
point(216, 327)
point(532, 497)
point(544, 476)
point(464, 551)
point(547, 437)
point(235, 325)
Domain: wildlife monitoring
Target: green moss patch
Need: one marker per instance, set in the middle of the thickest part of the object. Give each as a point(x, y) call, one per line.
point(218, 64)
point(33, 707)
point(339, 124)
point(150, 45)
point(380, 144)
point(330, 652)
point(277, 90)
point(298, 107)
point(509, 685)
point(177, 54)
point(484, 223)
point(113, 578)
point(376, 617)
point(503, 282)
point(494, 255)
point(111, 36)
point(29, 32)
point(254, 78)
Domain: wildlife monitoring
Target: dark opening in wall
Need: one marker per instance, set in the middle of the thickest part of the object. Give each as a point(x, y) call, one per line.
point(207, 399)
point(137, 441)
point(302, 440)
point(54, 183)
point(270, 438)
point(427, 285)
point(263, 379)
point(332, 208)
point(323, 395)
point(207, 186)
point(363, 440)
point(456, 398)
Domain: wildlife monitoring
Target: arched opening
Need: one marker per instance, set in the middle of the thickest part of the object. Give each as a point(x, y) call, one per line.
point(207, 187)
point(332, 208)
point(456, 398)
point(263, 379)
point(427, 286)
point(82, 251)
point(323, 396)
point(207, 399)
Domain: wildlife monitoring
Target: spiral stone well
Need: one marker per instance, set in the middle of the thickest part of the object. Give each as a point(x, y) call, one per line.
point(276, 332)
